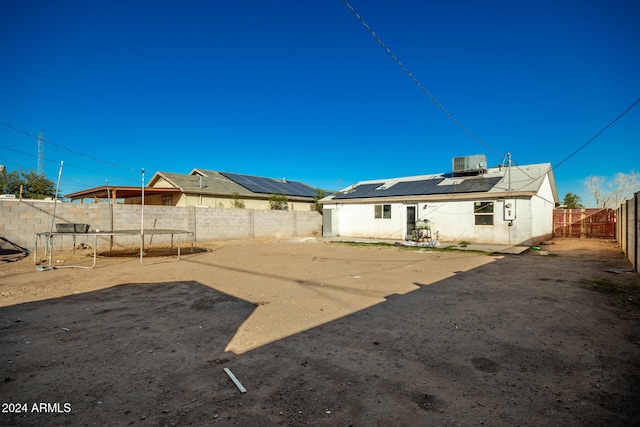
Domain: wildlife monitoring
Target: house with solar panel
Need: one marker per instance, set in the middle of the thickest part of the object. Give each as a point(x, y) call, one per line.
point(208, 188)
point(511, 205)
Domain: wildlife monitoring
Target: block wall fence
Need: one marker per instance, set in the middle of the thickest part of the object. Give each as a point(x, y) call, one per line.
point(19, 220)
point(628, 230)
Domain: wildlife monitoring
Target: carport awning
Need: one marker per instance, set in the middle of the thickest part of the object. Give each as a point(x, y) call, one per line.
point(120, 192)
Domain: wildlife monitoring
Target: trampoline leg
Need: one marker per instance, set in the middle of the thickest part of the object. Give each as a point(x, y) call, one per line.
point(95, 249)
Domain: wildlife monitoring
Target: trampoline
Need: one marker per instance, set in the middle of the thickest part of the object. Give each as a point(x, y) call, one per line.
point(96, 234)
point(51, 235)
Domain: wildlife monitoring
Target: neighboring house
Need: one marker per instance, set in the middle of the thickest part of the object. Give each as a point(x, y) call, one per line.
point(504, 205)
point(207, 188)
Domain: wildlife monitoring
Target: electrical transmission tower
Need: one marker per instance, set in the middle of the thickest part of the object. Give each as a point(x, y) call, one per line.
point(40, 154)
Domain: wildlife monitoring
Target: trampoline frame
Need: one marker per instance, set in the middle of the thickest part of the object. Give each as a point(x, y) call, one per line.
point(95, 235)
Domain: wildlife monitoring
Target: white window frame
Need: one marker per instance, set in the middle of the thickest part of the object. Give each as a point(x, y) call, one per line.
point(481, 212)
point(382, 211)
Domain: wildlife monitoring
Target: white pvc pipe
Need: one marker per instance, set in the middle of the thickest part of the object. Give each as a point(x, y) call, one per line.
point(142, 220)
point(53, 216)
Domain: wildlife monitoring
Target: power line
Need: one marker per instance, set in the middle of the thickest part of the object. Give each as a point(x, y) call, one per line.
point(67, 181)
point(69, 150)
point(593, 138)
point(58, 162)
point(416, 81)
point(599, 133)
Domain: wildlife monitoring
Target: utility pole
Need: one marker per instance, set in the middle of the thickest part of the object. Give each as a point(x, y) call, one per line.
point(40, 154)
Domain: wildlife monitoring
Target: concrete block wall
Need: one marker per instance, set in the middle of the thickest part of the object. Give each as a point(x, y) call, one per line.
point(19, 220)
point(308, 223)
point(628, 229)
point(273, 224)
point(220, 224)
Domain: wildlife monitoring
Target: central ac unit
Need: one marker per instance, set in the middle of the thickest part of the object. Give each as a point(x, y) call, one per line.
point(469, 164)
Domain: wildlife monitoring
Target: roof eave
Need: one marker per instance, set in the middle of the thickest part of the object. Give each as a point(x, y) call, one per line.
point(253, 196)
point(121, 192)
point(159, 175)
point(431, 198)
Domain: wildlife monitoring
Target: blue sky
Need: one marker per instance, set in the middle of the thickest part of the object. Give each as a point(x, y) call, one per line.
point(300, 89)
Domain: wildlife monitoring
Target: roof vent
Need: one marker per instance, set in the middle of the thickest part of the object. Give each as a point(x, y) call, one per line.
point(469, 165)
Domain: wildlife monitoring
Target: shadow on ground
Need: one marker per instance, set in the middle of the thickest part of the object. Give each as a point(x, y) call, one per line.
point(153, 252)
point(118, 351)
point(522, 340)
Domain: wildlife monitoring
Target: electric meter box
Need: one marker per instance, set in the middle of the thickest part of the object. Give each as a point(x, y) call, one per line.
point(509, 209)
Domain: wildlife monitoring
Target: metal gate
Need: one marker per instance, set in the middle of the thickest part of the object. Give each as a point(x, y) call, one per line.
point(584, 223)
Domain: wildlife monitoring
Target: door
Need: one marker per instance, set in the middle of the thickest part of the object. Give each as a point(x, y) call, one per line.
point(411, 220)
point(330, 225)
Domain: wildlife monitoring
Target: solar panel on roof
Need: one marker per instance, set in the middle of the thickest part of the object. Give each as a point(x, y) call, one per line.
point(301, 188)
point(357, 192)
point(477, 185)
point(469, 185)
point(269, 187)
point(262, 185)
point(423, 187)
point(412, 188)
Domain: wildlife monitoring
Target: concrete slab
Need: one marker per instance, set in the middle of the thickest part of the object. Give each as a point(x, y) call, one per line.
point(499, 249)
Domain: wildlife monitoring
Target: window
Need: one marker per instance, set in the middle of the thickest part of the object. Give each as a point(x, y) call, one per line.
point(483, 213)
point(166, 201)
point(382, 211)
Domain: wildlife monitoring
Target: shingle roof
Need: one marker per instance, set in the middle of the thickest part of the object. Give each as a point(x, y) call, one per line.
point(206, 181)
point(212, 183)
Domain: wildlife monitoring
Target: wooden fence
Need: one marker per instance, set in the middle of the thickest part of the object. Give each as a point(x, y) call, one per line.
point(584, 223)
point(629, 228)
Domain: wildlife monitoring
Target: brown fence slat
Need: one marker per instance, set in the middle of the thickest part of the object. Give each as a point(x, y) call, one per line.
point(584, 223)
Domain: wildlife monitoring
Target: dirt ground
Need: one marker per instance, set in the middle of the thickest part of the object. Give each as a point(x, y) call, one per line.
point(323, 333)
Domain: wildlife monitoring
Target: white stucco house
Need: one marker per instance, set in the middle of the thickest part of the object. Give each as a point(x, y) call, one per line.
point(503, 205)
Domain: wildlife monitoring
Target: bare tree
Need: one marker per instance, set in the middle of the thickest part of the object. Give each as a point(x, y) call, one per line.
point(611, 194)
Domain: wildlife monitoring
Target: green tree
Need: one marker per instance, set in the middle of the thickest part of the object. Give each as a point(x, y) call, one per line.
point(34, 185)
point(573, 201)
point(278, 202)
point(236, 201)
point(320, 194)
point(37, 186)
point(10, 182)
